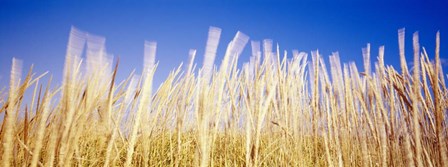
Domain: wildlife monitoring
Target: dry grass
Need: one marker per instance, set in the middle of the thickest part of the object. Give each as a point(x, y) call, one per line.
point(274, 111)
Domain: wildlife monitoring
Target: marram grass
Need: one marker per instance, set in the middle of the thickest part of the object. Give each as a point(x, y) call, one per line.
point(279, 109)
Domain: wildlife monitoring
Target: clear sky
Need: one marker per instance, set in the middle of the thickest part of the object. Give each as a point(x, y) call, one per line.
point(37, 31)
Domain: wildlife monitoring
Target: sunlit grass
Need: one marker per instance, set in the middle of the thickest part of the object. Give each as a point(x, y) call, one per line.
point(276, 110)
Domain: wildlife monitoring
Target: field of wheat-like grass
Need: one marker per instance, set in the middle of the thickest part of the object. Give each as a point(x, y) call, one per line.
point(278, 109)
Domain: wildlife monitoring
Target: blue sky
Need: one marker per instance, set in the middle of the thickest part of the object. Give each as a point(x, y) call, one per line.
point(37, 32)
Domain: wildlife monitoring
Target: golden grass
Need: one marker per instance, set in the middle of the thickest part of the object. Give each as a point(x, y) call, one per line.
point(274, 111)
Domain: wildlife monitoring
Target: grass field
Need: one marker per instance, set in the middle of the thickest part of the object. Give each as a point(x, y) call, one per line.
point(278, 109)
